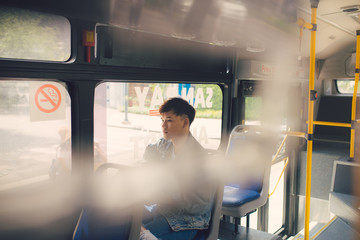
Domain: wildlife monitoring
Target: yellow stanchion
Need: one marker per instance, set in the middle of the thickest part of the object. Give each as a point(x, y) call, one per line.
point(353, 107)
point(312, 97)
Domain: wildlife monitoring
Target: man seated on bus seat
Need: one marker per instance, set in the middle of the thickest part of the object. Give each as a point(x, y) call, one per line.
point(186, 207)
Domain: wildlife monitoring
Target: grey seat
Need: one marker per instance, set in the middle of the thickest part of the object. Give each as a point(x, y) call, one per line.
point(251, 150)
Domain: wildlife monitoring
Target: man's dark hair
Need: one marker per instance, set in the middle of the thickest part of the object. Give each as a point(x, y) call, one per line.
point(180, 107)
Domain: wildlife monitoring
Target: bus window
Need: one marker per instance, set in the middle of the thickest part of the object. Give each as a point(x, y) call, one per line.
point(126, 116)
point(253, 111)
point(259, 109)
point(33, 35)
point(346, 86)
point(35, 132)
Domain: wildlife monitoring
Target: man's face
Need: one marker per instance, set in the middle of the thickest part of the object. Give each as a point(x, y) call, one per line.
point(174, 126)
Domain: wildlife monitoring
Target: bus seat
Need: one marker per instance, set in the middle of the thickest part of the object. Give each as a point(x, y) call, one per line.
point(242, 198)
point(235, 196)
point(343, 199)
point(212, 232)
point(98, 223)
point(333, 108)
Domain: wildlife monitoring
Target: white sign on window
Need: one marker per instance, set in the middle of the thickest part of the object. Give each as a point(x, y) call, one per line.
point(47, 101)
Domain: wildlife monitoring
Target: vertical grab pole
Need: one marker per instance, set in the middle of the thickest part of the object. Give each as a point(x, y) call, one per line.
point(314, 5)
point(353, 109)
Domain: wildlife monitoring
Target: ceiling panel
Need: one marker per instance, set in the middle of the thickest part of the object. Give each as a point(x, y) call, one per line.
point(336, 29)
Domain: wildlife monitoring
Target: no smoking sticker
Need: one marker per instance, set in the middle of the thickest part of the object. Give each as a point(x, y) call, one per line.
point(48, 98)
point(47, 101)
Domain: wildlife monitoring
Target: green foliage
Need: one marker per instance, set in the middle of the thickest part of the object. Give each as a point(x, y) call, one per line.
point(158, 4)
point(31, 35)
point(347, 86)
point(217, 97)
point(208, 113)
point(253, 107)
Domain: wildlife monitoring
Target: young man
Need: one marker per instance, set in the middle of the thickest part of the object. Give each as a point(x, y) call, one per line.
point(185, 207)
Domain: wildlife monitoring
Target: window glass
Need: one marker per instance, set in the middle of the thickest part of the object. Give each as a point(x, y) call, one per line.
point(346, 86)
point(258, 109)
point(35, 132)
point(253, 110)
point(35, 157)
point(276, 200)
point(127, 118)
point(32, 35)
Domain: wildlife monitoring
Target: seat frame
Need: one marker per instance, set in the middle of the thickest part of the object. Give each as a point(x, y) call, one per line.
point(249, 207)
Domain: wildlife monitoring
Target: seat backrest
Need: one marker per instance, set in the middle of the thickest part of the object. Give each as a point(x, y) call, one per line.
point(343, 177)
point(101, 222)
point(333, 108)
point(213, 231)
point(250, 150)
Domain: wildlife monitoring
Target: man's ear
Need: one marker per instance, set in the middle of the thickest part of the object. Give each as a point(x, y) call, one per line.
point(186, 122)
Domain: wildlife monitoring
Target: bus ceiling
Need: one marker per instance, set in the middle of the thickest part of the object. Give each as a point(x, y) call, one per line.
point(256, 28)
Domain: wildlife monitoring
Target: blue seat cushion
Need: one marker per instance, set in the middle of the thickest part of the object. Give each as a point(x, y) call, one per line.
point(235, 196)
point(255, 186)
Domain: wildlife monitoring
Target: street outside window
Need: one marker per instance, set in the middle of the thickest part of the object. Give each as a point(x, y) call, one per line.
point(35, 132)
point(127, 119)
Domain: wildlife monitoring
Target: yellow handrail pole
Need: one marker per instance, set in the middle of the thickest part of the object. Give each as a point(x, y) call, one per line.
point(282, 172)
point(353, 109)
point(294, 134)
point(314, 5)
point(279, 149)
point(333, 124)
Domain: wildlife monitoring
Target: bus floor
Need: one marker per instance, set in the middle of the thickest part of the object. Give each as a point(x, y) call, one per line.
point(226, 232)
point(335, 229)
